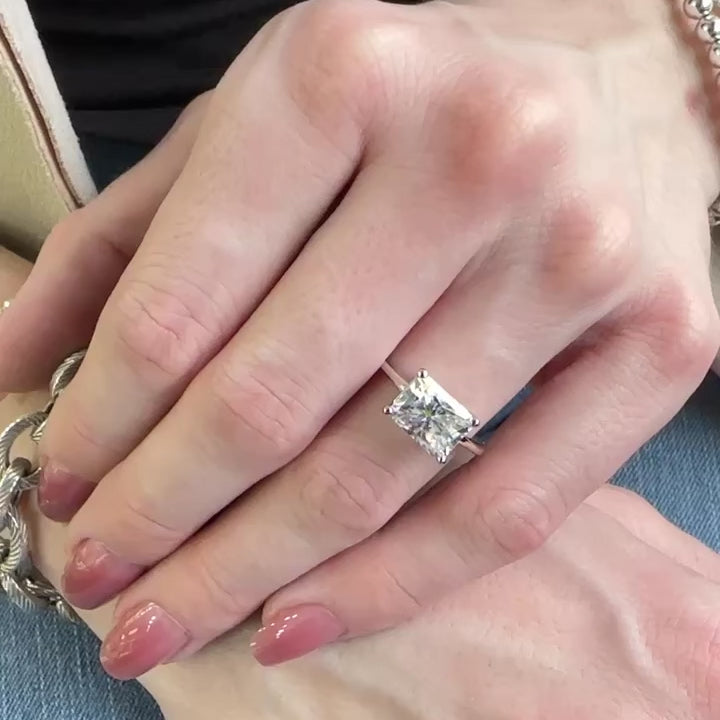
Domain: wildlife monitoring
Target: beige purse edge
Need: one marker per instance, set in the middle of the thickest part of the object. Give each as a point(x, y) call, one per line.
point(35, 93)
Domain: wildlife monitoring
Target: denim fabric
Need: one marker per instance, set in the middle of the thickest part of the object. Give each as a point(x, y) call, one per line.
point(678, 471)
point(49, 670)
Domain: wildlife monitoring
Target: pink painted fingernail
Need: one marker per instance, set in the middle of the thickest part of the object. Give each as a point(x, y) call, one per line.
point(293, 633)
point(61, 494)
point(94, 575)
point(144, 637)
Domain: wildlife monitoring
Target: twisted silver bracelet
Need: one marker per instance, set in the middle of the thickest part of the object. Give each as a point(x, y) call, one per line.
point(19, 579)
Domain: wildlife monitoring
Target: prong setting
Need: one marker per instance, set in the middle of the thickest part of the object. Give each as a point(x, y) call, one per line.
point(431, 416)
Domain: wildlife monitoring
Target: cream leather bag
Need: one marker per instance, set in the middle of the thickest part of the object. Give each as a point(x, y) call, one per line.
point(43, 174)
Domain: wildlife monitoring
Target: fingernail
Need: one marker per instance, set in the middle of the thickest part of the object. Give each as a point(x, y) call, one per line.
point(144, 638)
point(293, 633)
point(94, 575)
point(61, 494)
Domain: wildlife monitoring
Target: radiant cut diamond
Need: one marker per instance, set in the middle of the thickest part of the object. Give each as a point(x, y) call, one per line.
point(431, 416)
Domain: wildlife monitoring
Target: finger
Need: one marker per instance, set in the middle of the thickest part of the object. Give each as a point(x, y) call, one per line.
point(352, 479)
point(260, 178)
point(181, 300)
point(55, 312)
point(551, 454)
point(310, 344)
point(129, 515)
point(301, 356)
point(257, 405)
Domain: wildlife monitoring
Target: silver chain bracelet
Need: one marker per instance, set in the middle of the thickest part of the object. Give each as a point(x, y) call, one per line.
point(19, 579)
point(706, 17)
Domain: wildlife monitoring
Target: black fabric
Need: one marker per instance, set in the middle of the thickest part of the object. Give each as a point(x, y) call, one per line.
point(127, 67)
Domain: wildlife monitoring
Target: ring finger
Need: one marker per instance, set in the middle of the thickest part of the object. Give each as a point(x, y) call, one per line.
point(297, 361)
point(350, 482)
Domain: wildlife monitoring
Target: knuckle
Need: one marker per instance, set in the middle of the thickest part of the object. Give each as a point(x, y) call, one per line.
point(495, 132)
point(349, 493)
point(682, 330)
point(114, 239)
point(338, 59)
point(152, 537)
point(74, 435)
point(590, 253)
point(219, 589)
point(73, 426)
point(519, 521)
point(271, 408)
point(166, 322)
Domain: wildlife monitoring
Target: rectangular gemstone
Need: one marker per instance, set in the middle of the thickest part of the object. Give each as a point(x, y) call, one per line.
point(431, 416)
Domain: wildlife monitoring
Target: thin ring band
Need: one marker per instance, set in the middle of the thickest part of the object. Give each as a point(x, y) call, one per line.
point(400, 382)
point(396, 377)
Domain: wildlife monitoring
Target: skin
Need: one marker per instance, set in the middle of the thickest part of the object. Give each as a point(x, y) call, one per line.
point(497, 193)
point(615, 617)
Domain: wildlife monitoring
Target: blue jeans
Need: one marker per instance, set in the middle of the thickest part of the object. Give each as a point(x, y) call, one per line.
point(49, 670)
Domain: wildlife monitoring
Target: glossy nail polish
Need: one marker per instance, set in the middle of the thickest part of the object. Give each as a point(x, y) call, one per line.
point(143, 638)
point(296, 632)
point(60, 493)
point(94, 575)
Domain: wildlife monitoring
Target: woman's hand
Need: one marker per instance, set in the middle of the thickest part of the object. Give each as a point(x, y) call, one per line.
point(616, 617)
point(490, 191)
point(616, 614)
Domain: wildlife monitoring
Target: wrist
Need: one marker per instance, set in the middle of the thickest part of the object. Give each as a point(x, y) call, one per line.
point(664, 72)
point(699, 57)
point(644, 57)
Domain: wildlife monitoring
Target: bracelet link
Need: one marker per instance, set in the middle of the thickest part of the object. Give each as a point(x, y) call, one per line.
point(707, 27)
point(699, 9)
point(19, 579)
